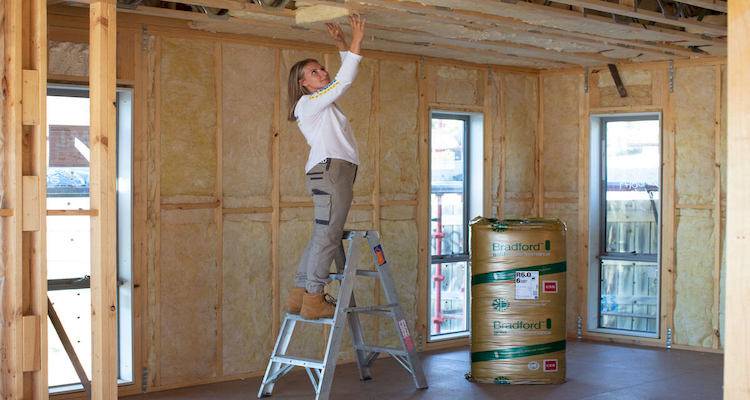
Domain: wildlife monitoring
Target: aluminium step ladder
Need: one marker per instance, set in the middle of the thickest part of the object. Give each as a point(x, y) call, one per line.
point(321, 372)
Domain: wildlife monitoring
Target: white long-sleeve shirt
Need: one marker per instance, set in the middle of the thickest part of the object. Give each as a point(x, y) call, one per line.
point(325, 127)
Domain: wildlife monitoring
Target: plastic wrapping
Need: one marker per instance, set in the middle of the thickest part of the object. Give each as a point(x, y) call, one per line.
point(518, 301)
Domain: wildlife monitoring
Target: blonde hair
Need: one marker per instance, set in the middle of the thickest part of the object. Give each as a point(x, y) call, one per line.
point(296, 90)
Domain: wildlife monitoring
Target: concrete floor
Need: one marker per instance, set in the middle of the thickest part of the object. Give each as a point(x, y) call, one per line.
point(596, 371)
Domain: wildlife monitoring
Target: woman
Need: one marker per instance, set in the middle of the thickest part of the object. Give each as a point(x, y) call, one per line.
point(331, 166)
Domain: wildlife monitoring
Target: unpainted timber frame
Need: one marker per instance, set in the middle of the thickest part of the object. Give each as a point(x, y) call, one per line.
point(737, 351)
point(24, 290)
point(103, 177)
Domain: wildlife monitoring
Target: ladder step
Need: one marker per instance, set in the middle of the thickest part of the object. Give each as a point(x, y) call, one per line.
point(360, 272)
point(385, 309)
point(378, 349)
point(298, 361)
point(322, 321)
point(336, 277)
point(353, 234)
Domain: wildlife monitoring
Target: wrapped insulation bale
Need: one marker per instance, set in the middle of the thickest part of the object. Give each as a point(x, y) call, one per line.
point(518, 301)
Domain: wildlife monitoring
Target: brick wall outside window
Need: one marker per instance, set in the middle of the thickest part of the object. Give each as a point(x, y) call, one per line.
point(62, 150)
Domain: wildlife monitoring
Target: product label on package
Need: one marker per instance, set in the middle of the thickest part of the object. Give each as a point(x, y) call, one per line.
point(527, 285)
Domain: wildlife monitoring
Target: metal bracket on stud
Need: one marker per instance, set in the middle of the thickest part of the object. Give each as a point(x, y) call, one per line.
point(669, 339)
point(579, 328)
point(585, 86)
point(144, 39)
point(671, 76)
point(144, 379)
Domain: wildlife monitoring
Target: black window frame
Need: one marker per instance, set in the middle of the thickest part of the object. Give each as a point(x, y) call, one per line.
point(636, 258)
point(454, 257)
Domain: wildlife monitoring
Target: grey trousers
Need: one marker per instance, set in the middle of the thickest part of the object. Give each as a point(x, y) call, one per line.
point(330, 184)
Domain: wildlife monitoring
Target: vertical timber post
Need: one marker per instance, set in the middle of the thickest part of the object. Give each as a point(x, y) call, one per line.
point(737, 344)
point(23, 287)
point(103, 164)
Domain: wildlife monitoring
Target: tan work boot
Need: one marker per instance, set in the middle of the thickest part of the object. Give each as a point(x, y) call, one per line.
point(317, 305)
point(294, 300)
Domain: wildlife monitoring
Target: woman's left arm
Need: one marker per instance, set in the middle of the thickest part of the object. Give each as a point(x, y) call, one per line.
point(346, 74)
point(337, 34)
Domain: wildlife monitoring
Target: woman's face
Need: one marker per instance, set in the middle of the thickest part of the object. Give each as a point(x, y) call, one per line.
point(315, 77)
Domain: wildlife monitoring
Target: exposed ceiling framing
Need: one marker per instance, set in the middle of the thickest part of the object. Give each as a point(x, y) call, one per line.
point(716, 5)
point(646, 15)
point(523, 33)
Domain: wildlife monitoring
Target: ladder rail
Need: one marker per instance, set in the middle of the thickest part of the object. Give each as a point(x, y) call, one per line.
point(355, 327)
point(281, 372)
point(282, 343)
point(313, 378)
point(399, 320)
point(337, 331)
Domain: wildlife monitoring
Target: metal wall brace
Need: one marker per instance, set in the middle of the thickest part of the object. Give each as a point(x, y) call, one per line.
point(671, 76)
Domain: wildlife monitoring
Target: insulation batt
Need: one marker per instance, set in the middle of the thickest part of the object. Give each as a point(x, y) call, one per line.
point(518, 301)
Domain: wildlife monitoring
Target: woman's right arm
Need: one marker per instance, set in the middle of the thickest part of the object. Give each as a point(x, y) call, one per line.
point(358, 32)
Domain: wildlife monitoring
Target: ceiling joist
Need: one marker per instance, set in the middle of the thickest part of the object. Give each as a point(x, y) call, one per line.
point(716, 5)
point(647, 15)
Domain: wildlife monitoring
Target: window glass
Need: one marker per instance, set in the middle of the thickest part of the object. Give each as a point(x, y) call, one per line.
point(68, 153)
point(632, 192)
point(448, 200)
point(451, 314)
point(73, 307)
point(68, 246)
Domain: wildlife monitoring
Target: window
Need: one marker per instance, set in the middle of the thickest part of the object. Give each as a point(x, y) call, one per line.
point(625, 209)
point(69, 235)
point(455, 141)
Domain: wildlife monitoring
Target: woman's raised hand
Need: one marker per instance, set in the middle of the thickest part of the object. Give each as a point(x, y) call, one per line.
point(358, 32)
point(337, 34)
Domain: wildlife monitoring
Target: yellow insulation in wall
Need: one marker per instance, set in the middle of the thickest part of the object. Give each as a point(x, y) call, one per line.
point(247, 304)
point(399, 237)
point(519, 101)
point(399, 108)
point(188, 122)
point(187, 300)
point(457, 85)
point(637, 83)
point(247, 125)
